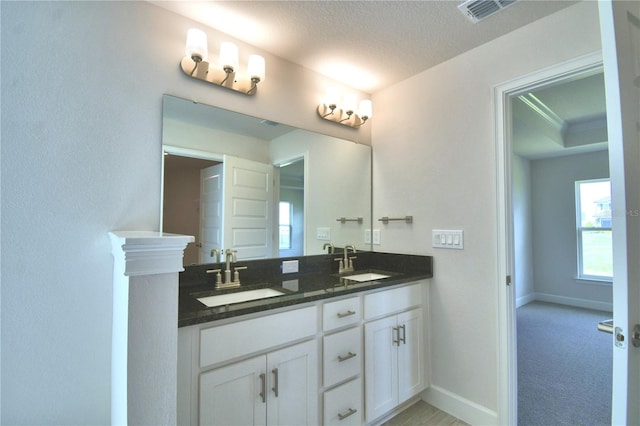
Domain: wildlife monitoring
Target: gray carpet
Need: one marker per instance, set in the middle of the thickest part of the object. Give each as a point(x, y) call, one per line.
point(564, 366)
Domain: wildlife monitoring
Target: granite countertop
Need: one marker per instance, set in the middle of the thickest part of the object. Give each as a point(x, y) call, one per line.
point(317, 279)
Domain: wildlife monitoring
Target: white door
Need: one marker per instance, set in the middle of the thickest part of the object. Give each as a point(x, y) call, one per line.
point(248, 208)
point(293, 385)
point(236, 209)
point(410, 361)
point(620, 32)
point(211, 195)
point(231, 395)
point(381, 366)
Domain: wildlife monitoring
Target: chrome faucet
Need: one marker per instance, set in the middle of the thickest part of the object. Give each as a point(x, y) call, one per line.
point(346, 262)
point(331, 247)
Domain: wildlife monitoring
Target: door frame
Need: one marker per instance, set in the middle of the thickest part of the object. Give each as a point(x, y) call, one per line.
point(506, 321)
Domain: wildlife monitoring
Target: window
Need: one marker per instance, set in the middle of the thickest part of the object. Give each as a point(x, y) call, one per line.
point(284, 234)
point(593, 219)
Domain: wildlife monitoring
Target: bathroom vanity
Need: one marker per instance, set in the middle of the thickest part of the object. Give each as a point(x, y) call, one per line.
point(327, 349)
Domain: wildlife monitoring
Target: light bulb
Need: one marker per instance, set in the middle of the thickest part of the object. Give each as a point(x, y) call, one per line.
point(256, 67)
point(196, 47)
point(350, 101)
point(332, 97)
point(228, 56)
point(365, 109)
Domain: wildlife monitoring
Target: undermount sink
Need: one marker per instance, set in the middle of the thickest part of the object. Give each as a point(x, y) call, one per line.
point(367, 276)
point(241, 296)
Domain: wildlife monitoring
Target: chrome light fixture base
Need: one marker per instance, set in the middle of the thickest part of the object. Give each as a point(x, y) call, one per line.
point(218, 76)
point(338, 116)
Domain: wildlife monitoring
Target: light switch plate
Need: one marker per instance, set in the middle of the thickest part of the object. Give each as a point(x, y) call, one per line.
point(367, 236)
point(323, 234)
point(451, 239)
point(376, 236)
point(289, 266)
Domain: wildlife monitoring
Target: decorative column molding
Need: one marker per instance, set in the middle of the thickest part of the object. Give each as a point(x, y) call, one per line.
point(145, 253)
point(145, 326)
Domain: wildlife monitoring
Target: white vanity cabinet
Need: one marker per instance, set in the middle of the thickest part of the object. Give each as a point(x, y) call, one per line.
point(394, 360)
point(278, 388)
point(341, 361)
point(257, 371)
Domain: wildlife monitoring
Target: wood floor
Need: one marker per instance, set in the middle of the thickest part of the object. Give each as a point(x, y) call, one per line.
point(423, 414)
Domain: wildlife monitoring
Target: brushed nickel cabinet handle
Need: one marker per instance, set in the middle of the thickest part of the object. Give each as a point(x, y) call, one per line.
point(395, 334)
point(345, 314)
point(263, 387)
point(349, 355)
point(404, 334)
point(349, 412)
point(275, 381)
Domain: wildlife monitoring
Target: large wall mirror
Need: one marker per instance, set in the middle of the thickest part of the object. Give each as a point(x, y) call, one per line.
point(260, 188)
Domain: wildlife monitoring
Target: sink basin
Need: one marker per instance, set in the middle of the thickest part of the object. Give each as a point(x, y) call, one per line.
point(241, 296)
point(367, 276)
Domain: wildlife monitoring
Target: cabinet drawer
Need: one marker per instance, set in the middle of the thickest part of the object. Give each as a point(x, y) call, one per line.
point(343, 405)
point(342, 355)
point(341, 313)
point(391, 301)
point(225, 342)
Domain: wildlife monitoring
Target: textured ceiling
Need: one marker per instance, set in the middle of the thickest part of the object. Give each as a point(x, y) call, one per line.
point(367, 45)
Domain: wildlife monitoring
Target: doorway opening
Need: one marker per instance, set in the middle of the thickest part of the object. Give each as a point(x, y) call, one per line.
point(545, 142)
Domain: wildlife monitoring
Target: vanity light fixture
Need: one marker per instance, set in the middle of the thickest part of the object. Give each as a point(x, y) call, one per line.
point(195, 64)
point(348, 115)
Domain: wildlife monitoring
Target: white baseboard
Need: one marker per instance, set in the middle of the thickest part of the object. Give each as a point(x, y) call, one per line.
point(574, 301)
point(459, 407)
point(521, 301)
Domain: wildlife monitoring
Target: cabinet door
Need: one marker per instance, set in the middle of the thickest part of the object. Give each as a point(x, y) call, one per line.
point(410, 359)
point(230, 395)
point(381, 371)
point(293, 385)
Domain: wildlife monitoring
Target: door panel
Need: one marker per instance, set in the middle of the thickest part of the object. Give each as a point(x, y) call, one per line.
point(211, 195)
point(620, 32)
point(248, 208)
point(230, 395)
point(381, 367)
point(410, 362)
point(293, 372)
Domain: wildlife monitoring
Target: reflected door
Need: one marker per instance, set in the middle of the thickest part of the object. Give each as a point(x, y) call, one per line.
point(237, 207)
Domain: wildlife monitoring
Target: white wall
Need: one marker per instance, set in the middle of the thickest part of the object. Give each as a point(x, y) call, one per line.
point(554, 229)
point(82, 86)
point(523, 278)
point(434, 158)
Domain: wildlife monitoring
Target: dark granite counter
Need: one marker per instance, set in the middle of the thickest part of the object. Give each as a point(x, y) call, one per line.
point(317, 279)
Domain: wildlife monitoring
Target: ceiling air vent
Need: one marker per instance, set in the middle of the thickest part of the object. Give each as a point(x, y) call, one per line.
point(477, 10)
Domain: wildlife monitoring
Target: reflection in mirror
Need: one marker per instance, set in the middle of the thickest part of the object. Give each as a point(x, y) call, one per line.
point(260, 188)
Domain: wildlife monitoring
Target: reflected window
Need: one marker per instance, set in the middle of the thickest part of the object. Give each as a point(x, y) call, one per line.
point(286, 215)
point(593, 219)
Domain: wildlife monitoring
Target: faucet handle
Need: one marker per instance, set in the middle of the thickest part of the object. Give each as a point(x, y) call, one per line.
point(236, 274)
point(218, 276)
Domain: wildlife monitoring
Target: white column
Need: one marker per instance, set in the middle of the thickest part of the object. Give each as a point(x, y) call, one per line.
point(145, 326)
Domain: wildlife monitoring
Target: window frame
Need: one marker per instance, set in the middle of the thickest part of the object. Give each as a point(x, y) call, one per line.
point(288, 225)
point(580, 230)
